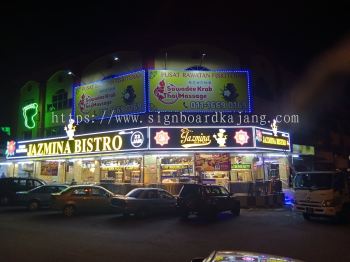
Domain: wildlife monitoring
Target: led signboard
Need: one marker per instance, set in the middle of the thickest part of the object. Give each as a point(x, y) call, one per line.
point(96, 143)
point(201, 138)
point(267, 139)
point(193, 91)
point(124, 94)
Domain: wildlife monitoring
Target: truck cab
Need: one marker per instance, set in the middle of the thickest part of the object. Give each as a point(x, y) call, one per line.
point(322, 193)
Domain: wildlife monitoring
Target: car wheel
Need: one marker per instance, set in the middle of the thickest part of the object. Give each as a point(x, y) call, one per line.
point(4, 200)
point(69, 211)
point(306, 216)
point(33, 206)
point(236, 211)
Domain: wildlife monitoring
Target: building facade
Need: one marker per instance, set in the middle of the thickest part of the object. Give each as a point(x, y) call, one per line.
point(183, 115)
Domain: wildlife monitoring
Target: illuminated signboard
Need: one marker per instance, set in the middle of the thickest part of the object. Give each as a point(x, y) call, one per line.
point(200, 138)
point(192, 91)
point(303, 150)
point(265, 138)
point(96, 143)
point(119, 95)
point(241, 166)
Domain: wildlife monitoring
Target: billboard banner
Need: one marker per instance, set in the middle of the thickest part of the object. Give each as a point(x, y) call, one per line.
point(123, 94)
point(199, 91)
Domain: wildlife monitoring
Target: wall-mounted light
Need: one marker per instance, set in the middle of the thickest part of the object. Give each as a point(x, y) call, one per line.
point(202, 58)
point(116, 58)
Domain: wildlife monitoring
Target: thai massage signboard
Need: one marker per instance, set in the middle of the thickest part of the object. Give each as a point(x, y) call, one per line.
point(123, 94)
point(193, 91)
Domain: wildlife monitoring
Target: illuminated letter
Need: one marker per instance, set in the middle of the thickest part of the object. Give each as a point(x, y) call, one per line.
point(97, 141)
point(67, 148)
point(117, 144)
point(77, 146)
point(90, 145)
point(106, 144)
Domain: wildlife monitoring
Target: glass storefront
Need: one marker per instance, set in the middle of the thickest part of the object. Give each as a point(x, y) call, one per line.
point(176, 169)
point(123, 170)
point(213, 168)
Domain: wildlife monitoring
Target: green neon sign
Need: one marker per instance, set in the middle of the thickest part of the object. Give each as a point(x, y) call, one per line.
point(29, 112)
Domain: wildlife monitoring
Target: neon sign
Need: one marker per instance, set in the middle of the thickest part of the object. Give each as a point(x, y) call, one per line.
point(29, 112)
point(188, 140)
point(241, 137)
point(84, 144)
point(162, 138)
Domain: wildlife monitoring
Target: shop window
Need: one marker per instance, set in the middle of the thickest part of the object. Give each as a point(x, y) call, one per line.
point(241, 168)
point(25, 169)
point(213, 168)
point(88, 171)
point(176, 169)
point(60, 101)
point(121, 170)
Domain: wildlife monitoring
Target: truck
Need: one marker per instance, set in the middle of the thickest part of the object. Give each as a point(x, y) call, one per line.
point(322, 194)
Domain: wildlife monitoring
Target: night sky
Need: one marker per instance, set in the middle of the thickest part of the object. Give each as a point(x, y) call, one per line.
point(37, 39)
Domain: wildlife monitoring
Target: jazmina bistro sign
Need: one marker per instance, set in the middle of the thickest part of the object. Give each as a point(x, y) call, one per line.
point(107, 142)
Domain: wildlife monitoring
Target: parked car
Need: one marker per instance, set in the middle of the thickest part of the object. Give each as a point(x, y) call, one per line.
point(83, 198)
point(207, 200)
point(39, 197)
point(145, 201)
point(10, 185)
point(242, 256)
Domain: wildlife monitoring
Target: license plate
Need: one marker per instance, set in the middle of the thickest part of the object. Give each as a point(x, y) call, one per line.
point(309, 210)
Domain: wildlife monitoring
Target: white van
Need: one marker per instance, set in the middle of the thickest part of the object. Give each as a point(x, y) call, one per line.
point(322, 193)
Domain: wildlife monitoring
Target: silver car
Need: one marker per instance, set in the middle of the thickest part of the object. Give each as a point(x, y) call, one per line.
point(145, 201)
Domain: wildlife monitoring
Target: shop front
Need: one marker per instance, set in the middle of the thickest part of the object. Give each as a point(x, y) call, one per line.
point(246, 160)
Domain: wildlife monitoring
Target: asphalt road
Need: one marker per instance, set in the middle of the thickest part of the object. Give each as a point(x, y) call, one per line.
point(48, 236)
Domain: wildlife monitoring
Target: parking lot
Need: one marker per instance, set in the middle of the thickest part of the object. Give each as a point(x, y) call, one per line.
point(48, 236)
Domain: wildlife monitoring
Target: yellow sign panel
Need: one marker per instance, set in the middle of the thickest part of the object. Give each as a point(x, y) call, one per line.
point(190, 91)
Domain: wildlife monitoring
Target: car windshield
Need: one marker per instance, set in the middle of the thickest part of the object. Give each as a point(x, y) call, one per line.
point(216, 191)
point(313, 181)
